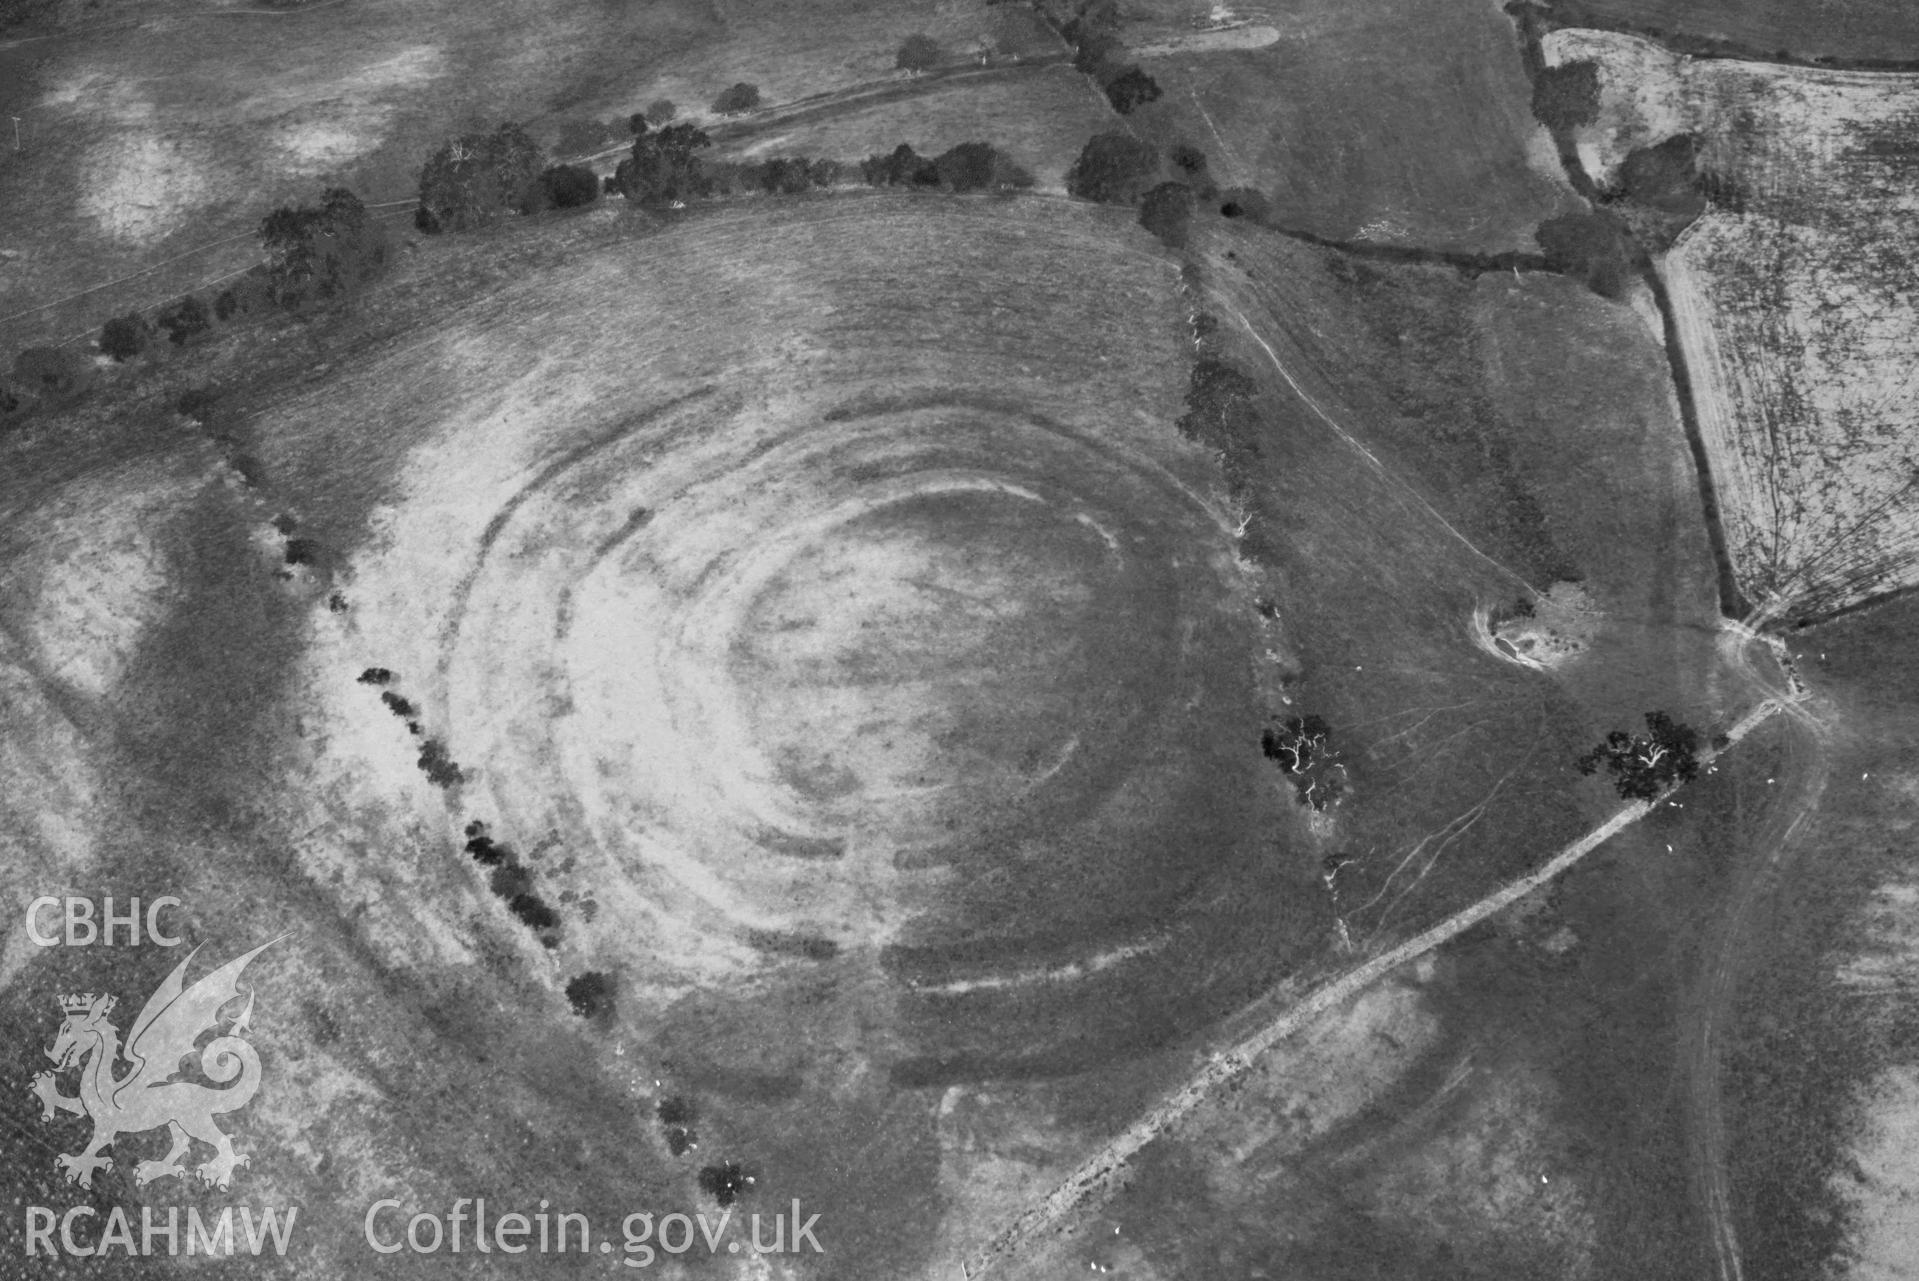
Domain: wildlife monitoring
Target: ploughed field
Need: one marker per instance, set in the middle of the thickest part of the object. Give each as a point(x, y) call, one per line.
point(1871, 31)
point(1792, 306)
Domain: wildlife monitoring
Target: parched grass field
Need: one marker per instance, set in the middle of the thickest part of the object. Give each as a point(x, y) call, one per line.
point(1870, 31)
point(816, 598)
point(1404, 122)
point(1821, 1049)
point(153, 130)
point(1793, 302)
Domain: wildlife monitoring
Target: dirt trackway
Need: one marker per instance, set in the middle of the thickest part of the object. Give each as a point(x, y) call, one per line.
point(1706, 1008)
point(1098, 1177)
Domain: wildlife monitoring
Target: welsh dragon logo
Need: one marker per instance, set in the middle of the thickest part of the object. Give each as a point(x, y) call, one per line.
point(147, 1096)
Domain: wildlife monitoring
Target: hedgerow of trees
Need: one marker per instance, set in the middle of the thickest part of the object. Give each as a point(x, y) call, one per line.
point(970, 166)
point(1098, 53)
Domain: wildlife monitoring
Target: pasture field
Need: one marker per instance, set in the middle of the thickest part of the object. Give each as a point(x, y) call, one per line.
point(1792, 305)
point(1821, 1052)
point(712, 592)
point(153, 130)
point(1402, 122)
point(1437, 443)
point(1524, 435)
point(1853, 31)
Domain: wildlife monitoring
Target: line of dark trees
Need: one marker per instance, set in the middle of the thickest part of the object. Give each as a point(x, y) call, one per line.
point(1117, 168)
point(478, 178)
point(666, 168)
point(314, 253)
point(1093, 31)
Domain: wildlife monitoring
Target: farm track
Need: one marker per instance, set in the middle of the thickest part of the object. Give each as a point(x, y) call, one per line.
point(1705, 1009)
point(1098, 1177)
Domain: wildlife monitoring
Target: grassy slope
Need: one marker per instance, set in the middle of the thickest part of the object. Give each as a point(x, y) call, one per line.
point(220, 757)
point(1806, 1046)
point(1537, 421)
point(1479, 395)
point(1403, 121)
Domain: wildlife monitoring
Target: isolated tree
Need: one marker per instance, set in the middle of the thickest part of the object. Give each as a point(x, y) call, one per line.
point(665, 166)
point(1566, 97)
point(1297, 743)
point(1167, 212)
point(320, 251)
point(660, 110)
point(592, 996)
point(918, 53)
point(741, 98)
point(124, 337)
point(725, 1183)
point(1302, 747)
point(185, 320)
point(478, 177)
point(1113, 168)
point(570, 186)
point(1644, 765)
point(1131, 88)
